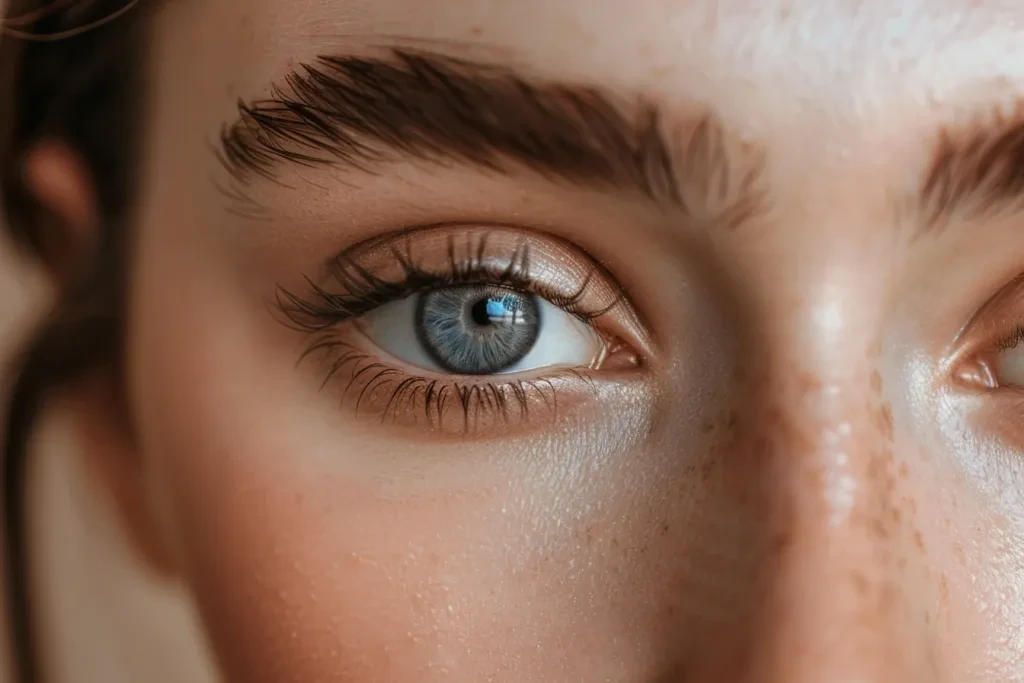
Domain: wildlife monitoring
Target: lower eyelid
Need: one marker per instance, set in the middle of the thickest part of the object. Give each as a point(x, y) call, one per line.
point(384, 390)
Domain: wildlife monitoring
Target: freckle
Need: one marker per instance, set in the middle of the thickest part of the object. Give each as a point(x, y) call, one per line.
point(876, 382)
point(615, 541)
point(919, 540)
point(734, 419)
point(884, 421)
point(664, 528)
point(897, 516)
point(927, 618)
point(707, 427)
point(809, 383)
point(878, 528)
point(904, 470)
point(477, 31)
point(944, 592)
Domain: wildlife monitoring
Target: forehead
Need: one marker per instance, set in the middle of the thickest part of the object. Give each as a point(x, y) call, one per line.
point(874, 78)
point(782, 56)
point(871, 78)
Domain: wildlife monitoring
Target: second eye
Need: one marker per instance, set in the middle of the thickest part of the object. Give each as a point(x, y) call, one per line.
point(482, 330)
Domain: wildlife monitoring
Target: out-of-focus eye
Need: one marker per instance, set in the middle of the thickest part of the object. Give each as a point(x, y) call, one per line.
point(991, 345)
point(482, 330)
point(1006, 367)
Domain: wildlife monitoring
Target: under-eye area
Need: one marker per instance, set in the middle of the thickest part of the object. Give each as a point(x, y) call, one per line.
point(466, 328)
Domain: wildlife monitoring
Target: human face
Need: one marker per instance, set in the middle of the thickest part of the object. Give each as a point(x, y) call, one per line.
point(768, 428)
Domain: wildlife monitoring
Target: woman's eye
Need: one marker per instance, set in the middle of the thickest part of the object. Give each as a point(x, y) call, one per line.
point(482, 330)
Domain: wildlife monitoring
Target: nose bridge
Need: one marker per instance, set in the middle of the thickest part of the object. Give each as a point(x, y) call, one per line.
point(817, 423)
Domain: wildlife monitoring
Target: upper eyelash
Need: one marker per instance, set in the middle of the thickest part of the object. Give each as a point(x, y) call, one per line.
point(361, 291)
point(1012, 340)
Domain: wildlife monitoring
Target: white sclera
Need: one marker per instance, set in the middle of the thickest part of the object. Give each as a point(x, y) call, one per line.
point(563, 341)
point(1008, 367)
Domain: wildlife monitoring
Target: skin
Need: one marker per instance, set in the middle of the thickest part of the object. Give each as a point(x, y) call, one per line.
point(794, 486)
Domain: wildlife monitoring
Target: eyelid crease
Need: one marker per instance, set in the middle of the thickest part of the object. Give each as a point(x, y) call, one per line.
point(361, 289)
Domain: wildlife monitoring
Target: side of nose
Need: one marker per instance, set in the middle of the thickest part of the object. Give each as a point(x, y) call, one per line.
point(840, 586)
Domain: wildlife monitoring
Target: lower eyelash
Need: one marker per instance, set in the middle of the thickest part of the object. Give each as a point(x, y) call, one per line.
point(398, 397)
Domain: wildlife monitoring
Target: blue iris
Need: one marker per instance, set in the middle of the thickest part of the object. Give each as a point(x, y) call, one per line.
point(477, 329)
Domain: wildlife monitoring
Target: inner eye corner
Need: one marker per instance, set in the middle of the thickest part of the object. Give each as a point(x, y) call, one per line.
point(973, 374)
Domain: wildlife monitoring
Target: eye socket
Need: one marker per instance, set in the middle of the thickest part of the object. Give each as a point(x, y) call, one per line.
point(482, 330)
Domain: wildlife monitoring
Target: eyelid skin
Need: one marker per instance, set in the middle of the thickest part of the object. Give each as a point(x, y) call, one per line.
point(392, 267)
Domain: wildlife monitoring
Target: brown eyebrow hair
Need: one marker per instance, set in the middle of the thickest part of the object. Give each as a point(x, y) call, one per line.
point(360, 113)
point(976, 171)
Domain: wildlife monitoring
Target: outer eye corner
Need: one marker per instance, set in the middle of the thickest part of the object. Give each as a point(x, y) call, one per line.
point(618, 355)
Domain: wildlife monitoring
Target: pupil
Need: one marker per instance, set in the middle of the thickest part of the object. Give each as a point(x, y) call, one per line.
point(480, 312)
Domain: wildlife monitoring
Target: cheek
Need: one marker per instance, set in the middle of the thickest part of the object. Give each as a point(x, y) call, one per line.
point(311, 552)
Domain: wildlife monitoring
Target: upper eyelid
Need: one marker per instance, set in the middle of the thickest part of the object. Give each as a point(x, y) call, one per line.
point(359, 289)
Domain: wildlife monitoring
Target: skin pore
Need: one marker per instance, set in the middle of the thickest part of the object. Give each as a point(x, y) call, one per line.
point(791, 231)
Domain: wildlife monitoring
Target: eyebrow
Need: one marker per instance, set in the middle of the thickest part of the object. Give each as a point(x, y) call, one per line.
point(360, 113)
point(975, 172)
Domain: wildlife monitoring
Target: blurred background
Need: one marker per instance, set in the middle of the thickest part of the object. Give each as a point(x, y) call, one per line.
point(100, 618)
